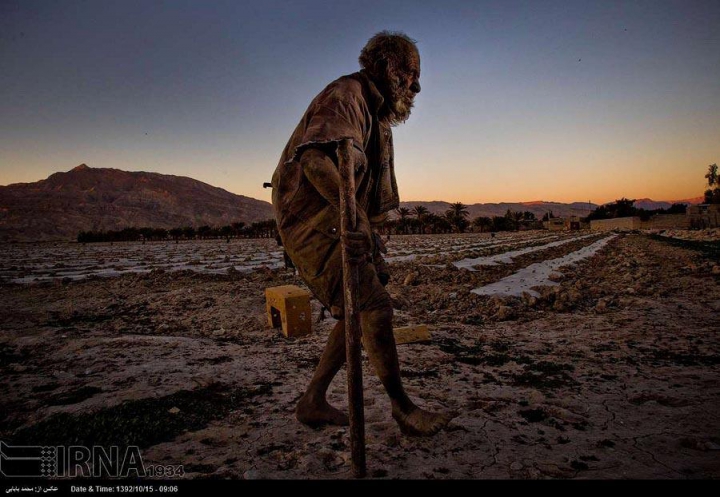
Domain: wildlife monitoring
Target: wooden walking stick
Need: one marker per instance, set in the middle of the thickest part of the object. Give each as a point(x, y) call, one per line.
point(348, 211)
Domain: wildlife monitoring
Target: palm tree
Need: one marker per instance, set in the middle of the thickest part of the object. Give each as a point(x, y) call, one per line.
point(204, 231)
point(456, 214)
point(712, 175)
point(226, 232)
point(458, 209)
point(517, 217)
point(712, 196)
point(430, 221)
point(482, 222)
point(176, 233)
point(420, 212)
point(403, 212)
point(189, 232)
point(438, 224)
point(238, 228)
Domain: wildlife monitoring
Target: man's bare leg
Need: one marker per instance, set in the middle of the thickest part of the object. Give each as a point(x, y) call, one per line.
point(313, 407)
point(381, 348)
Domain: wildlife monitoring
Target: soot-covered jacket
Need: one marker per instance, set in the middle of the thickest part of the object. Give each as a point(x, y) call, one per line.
point(347, 108)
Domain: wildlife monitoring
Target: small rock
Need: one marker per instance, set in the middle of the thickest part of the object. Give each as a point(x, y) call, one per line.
point(496, 301)
point(411, 278)
point(63, 375)
point(630, 290)
point(516, 466)
point(573, 295)
point(535, 397)
point(716, 269)
point(174, 410)
point(529, 299)
point(709, 445)
point(565, 414)
point(556, 276)
point(504, 312)
point(219, 332)
point(553, 470)
point(202, 382)
point(309, 464)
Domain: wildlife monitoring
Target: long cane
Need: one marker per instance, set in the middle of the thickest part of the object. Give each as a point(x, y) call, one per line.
point(352, 318)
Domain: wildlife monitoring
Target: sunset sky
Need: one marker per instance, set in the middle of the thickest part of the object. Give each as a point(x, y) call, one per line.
point(521, 101)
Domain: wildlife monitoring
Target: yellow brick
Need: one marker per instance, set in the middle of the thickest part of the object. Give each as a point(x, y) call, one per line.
point(411, 334)
point(289, 306)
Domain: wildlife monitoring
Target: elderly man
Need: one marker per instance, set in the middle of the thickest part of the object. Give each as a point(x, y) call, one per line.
point(362, 106)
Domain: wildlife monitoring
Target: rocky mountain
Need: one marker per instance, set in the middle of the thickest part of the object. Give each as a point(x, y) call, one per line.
point(86, 198)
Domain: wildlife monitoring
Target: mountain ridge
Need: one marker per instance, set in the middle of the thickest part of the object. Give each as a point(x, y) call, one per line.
point(92, 199)
point(538, 207)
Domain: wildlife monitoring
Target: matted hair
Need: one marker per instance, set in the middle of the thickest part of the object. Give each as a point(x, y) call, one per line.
point(392, 47)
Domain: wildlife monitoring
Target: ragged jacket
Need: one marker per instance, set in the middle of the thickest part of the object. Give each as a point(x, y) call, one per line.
point(347, 108)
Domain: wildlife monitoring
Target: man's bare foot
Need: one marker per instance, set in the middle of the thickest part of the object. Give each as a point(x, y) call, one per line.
point(319, 413)
point(420, 423)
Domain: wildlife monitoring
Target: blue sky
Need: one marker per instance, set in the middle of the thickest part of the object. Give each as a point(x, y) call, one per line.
point(521, 101)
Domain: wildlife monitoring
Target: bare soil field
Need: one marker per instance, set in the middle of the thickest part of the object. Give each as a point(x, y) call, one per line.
point(607, 366)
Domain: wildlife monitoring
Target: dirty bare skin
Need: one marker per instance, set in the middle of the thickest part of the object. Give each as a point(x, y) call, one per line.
point(392, 63)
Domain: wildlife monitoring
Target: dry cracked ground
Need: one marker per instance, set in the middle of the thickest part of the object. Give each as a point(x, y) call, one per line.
point(614, 373)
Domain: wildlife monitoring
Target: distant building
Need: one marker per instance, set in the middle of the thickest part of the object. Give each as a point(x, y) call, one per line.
point(619, 223)
point(555, 224)
point(575, 223)
point(697, 216)
point(704, 215)
point(565, 224)
point(531, 225)
point(667, 221)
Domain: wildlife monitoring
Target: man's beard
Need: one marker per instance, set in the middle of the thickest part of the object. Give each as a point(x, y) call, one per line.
point(400, 103)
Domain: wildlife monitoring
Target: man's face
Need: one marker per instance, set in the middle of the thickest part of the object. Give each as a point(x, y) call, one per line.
point(404, 84)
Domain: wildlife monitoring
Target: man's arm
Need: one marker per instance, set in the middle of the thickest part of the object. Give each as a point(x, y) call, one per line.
point(322, 172)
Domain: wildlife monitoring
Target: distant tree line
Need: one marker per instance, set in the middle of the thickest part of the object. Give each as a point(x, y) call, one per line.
point(625, 208)
point(419, 220)
point(260, 229)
